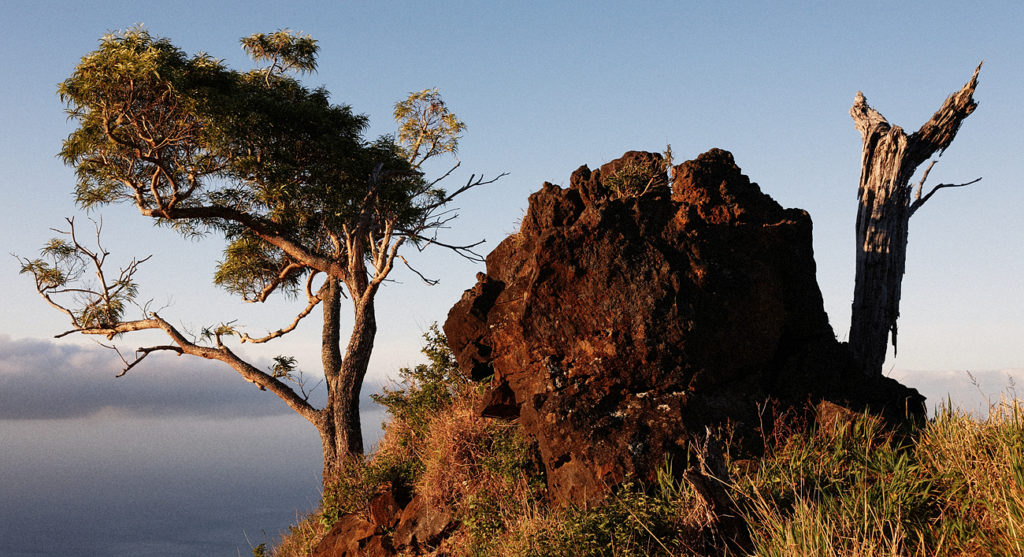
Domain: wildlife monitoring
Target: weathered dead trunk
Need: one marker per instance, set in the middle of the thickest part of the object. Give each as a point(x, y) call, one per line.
point(888, 162)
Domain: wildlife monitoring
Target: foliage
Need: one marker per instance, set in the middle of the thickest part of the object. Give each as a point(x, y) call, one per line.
point(351, 493)
point(285, 51)
point(632, 521)
point(169, 133)
point(254, 155)
point(635, 179)
point(426, 127)
point(427, 388)
point(482, 469)
point(305, 203)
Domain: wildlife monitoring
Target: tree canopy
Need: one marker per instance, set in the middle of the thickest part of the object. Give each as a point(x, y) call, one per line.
point(307, 205)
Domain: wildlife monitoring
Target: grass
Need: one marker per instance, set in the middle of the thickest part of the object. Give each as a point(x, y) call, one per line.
point(954, 486)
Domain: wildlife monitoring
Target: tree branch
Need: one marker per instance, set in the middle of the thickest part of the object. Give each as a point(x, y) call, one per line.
point(248, 372)
point(473, 182)
point(465, 251)
point(921, 201)
point(430, 282)
point(138, 358)
point(865, 118)
point(282, 275)
point(314, 300)
point(264, 230)
point(924, 176)
point(938, 132)
point(443, 176)
point(221, 353)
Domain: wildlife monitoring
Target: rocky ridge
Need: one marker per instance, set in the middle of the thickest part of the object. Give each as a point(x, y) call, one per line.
point(629, 320)
point(627, 317)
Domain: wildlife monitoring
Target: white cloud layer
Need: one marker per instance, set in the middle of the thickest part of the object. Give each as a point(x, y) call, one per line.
point(972, 391)
point(43, 379)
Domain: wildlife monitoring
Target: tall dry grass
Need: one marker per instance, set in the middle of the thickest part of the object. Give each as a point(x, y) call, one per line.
point(954, 487)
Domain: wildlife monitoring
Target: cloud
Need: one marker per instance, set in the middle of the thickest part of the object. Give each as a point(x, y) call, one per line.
point(43, 379)
point(971, 391)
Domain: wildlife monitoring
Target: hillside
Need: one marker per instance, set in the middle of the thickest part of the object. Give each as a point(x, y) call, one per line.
point(849, 486)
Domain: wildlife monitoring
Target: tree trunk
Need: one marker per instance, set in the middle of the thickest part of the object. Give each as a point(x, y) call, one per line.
point(888, 162)
point(330, 355)
point(338, 423)
point(357, 358)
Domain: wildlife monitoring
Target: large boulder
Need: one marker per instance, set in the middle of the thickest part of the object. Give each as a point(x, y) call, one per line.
point(626, 317)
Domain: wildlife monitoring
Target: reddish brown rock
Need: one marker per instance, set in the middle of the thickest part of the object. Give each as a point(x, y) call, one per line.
point(421, 525)
point(388, 529)
point(620, 321)
point(384, 509)
point(348, 538)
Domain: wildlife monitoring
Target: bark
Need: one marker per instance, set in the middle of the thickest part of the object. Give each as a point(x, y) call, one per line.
point(330, 356)
point(353, 370)
point(888, 162)
point(339, 424)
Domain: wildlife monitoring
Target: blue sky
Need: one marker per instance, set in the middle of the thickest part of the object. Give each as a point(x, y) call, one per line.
point(544, 88)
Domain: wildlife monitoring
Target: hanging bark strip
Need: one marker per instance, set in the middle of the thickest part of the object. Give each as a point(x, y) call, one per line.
point(888, 162)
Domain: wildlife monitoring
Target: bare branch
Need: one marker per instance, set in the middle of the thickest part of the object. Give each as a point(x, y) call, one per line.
point(473, 182)
point(938, 132)
point(919, 202)
point(430, 282)
point(443, 176)
point(282, 276)
point(138, 358)
point(465, 251)
point(314, 300)
point(301, 381)
point(924, 177)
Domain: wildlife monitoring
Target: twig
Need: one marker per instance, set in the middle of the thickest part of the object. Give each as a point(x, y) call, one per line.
point(924, 177)
point(918, 203)
point(430, 282)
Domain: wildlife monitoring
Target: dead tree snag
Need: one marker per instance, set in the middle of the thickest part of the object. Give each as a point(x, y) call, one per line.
point(888, 162)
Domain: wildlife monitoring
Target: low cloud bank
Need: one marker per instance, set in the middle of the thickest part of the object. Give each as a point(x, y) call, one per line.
point(42, 379)
point(971, 391)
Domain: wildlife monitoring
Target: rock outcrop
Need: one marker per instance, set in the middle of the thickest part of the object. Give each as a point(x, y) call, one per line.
point(627, 316)
point(389, 526)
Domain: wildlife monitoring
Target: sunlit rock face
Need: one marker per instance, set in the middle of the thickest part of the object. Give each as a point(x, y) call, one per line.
point(627, 316)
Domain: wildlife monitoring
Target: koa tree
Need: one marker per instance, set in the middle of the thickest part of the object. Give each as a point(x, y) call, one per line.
point(307, 206)
point(887, 201)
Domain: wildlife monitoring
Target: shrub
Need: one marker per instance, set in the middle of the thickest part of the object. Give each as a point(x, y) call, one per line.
point(425, 389)
point(481, 469)
point(637, 178)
